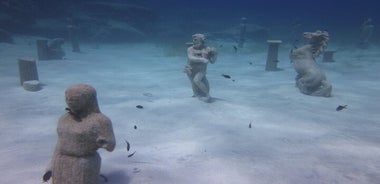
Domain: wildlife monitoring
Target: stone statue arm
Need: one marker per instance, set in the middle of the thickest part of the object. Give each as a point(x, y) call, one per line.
point(192, 57)
point(211, 54)
point(106, 137)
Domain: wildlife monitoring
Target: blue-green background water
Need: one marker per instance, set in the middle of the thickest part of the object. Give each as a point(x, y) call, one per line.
point(153, 18)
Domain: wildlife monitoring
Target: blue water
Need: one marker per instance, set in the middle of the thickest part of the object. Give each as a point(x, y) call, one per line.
point(341, 18)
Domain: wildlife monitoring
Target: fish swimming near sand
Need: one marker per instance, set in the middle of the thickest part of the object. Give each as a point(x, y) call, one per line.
point(130, 155)
point(341, 107)
point(75, 115)
point(139, 106)
point(226, 76)
point(46, 177)
point(235, 49)
point(128, 145)
point(148, 94)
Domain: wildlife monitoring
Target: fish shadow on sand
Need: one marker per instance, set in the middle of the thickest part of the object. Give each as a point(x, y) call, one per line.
point(214, 99)
point(116, 177)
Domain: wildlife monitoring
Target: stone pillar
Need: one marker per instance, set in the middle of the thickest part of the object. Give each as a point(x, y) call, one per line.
point(328, 56)
point(27, 69)
point(272, 58)
point(73, 35)
point(28, 74)
point(42, 49)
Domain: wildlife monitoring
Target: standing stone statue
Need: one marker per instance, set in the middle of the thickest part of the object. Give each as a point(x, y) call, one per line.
point(199, 55)
point(366, 31)
point(73, 30)
point(310, 78)
point(81, 132)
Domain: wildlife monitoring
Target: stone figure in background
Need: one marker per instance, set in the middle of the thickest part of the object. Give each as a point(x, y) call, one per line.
point(366, 31)
point(55, 48)
point(81, 132)
point(199, 55)
point(73, 29)
point(310, 78)
point(50, 49)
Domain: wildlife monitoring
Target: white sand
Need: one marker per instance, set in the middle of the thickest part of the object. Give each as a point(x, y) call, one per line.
point(294, 138)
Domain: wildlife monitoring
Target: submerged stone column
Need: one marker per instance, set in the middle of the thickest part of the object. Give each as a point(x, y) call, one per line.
point(73, 35)
point(272, 58)
point(28, 74)
point(328, 56)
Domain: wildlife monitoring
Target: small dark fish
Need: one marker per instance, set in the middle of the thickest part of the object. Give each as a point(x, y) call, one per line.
point(68, 110)
point(139, 106)
point(341, 107)
point(136, 170)
point(46, 177)
point(235, 49)
point(135, 127)
point(250, 63)
point(233, 80)
point(75, 115)
point(221, 45)
point(250, 125)
point(104, 177)
point(128, 145)
point(130, 155)
point(226, 76)
point(148, 94)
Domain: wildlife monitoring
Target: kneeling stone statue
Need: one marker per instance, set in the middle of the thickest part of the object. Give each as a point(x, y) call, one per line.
point(81, 132)
point(310, 78)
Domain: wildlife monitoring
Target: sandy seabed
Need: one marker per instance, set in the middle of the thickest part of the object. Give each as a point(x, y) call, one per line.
point(293, 139)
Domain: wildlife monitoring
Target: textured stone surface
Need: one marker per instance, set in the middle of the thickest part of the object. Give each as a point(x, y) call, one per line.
point(27, 68)
point(310, 79)
point(32, 85)
point(199, 55)
point(81, 132)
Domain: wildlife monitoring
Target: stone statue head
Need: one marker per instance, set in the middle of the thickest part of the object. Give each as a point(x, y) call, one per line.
point(198, 40)
point(81, 99)
point(318, 41)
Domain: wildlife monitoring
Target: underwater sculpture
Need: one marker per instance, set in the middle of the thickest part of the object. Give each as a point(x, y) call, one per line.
point(310, 78)
point(81, 132)
point(73, 30)
point(28, 73)
point(199, 55)
point(50, 49)
point(366, 31)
